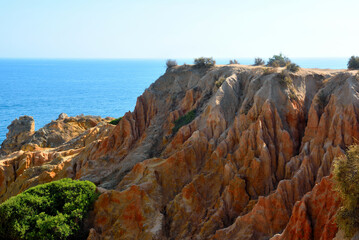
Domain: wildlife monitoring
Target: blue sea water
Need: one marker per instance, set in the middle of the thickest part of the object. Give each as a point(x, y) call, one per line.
point(44, 88)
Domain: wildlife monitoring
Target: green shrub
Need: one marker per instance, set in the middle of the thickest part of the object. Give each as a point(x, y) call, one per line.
point(203, 62)
point(184, 120)
point(346, 176)
point(353, 63)
point(171, 63)
point(258, 62)
point(278, 61)
point(234, 61)
point(115, 121)
point(285, 79)
point(267, 71)
point(293, 67)
point(220, 81)
point(54, 210)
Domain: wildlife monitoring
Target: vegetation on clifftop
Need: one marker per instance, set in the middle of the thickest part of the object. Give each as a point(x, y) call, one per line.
point(203, 62)
point(171, 63)
point(54, 210)
point(258, 62)
point(278, 61)
point(292, 67)
point(353, 63)
point(346, 175)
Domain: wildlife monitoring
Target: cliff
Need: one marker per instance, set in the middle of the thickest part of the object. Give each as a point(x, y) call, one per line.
point(253, 164)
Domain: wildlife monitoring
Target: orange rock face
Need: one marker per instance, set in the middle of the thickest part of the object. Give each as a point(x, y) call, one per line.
point(313, 217)
point(253, 164)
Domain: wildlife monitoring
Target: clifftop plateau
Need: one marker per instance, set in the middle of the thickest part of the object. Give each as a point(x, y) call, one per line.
point(253, 163)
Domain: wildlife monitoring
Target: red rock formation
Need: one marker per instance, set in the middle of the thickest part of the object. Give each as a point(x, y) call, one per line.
point(245, 168)
point(313, 217)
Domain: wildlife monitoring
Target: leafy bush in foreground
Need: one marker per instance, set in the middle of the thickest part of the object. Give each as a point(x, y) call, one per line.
point(278, 61)
point(116, 121)
point(203, 62)
point(353, 63)
point(184, 120)
point(48, 211)
point(346, 176)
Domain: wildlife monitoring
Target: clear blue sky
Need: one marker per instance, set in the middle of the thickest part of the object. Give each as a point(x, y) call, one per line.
point(178, 29)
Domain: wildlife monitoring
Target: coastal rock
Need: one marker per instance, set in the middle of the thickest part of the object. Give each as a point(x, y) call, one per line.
point(313, 217)
point(252, 164)
point(22, 135)
point(62, 116)
point(20, 131)
point(34, 165)
point(62, 130)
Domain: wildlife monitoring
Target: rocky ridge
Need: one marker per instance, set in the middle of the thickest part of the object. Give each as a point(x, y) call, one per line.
point(253, 164)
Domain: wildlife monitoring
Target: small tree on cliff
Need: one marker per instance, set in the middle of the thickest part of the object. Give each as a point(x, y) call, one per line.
point(171, 63)
point(353, 63)
point(346, 176)
point(258, 62)
point(292, 67)
point(278, 61)
point(203, 62)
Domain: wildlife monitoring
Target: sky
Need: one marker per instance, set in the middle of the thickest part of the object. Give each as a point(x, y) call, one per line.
point(178, 29)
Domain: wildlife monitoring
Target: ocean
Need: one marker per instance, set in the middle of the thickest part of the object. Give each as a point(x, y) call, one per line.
point(44, 88)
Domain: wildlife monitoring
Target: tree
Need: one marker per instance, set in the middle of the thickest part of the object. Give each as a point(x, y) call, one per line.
point(346, 176)
point(258, 62)
point(278, 61)
point(204, 62)
point(171, 63)
point(353, 63)
point(293, 67)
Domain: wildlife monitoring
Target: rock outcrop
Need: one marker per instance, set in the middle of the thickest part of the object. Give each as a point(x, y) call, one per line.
point(34, 163)
point(313, 217)
point(22, 134)
point(253, 164)
point(20, 131)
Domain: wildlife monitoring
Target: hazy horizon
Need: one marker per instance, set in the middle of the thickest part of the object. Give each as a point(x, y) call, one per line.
point(159, 29)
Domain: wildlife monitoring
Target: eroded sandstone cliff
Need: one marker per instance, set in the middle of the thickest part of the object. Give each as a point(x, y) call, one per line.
point(253, 164)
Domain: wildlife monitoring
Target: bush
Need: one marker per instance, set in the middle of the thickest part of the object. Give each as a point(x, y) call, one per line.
point(203, 62)
point(258, 62)
point(346, 176)
point(285, 79)
point(171, 63)
point(220, 81)
point(353, 63)
point(267, 71)
point(184, 120)
point(278, 61)
point(234, 61)
point(48, 211)
point(293, 67)
point(115, 121)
